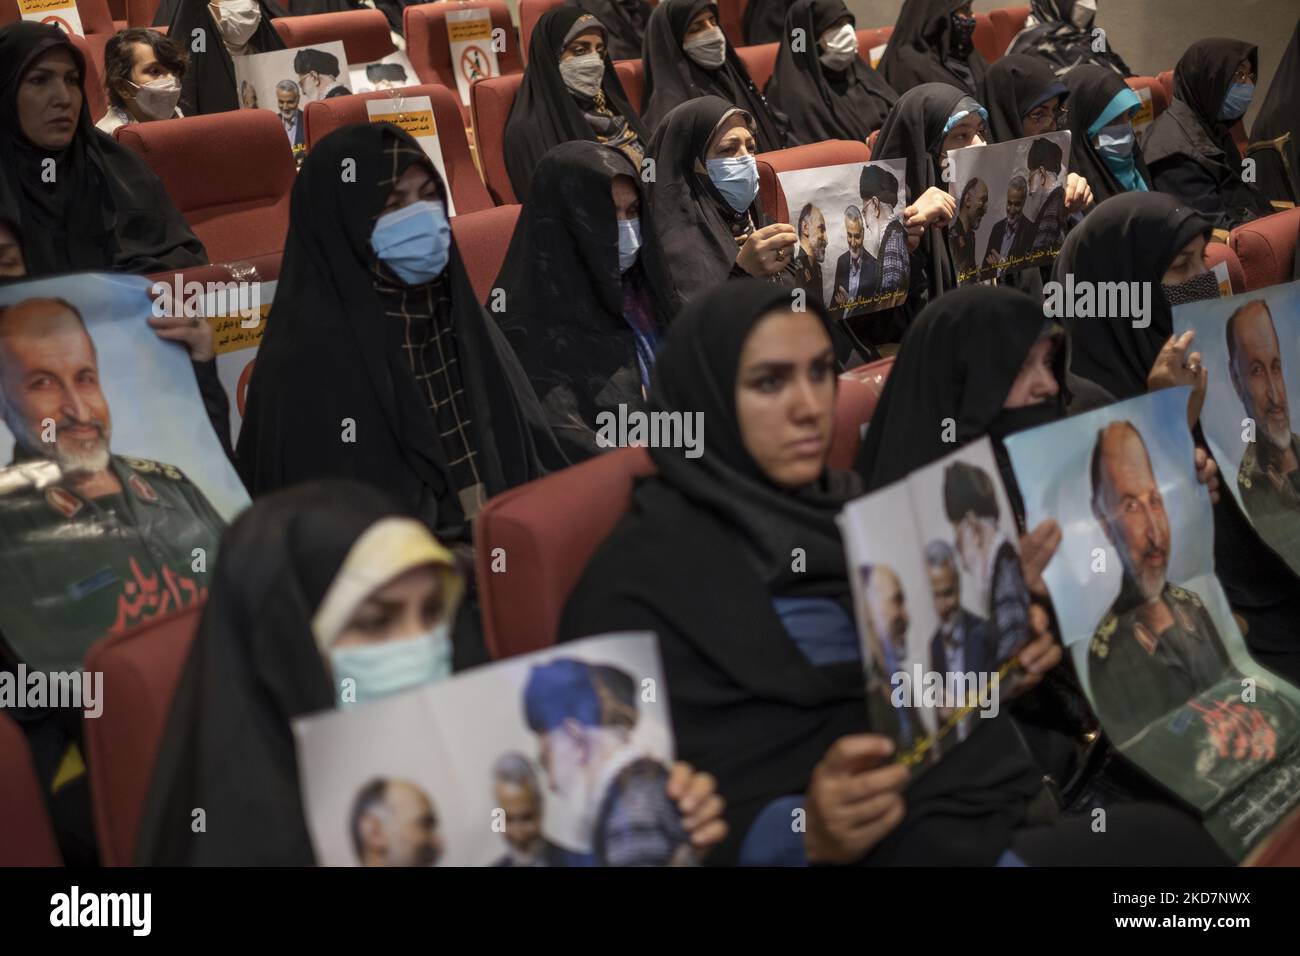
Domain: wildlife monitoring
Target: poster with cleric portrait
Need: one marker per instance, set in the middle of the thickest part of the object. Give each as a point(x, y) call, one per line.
point(1250, 348)
point(1010, 205)
point(391, 72)
point(852, 254)
point(285, 81)
point(557, 758)
point(115, 488)
point(1154, 642)
point(940, 602)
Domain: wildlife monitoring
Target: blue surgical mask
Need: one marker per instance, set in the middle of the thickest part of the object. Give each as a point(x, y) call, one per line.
point(1237, 101)
point(414, 241)
point(387, 667)
point(1115, 143)
point(736, 178)
point(629, 242)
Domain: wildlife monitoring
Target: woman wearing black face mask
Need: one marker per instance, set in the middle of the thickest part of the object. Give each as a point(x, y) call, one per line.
point(1060, 33)
point(1189, 148)
point(933, 42)
point(570, 91)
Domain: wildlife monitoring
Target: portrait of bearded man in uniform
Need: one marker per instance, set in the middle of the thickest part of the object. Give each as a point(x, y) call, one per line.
point(91, 543)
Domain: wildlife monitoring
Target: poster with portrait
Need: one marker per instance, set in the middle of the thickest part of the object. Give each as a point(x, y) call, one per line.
point(557, 758)
point(115, 488)
point(1145, 619)
point(61, 13)
point(473, 54)
point(1250, 347)
point(1010, 205)
point(415, 115)
point(852, 253)
point(392, 72)
point(940, 602)
point(285, 81)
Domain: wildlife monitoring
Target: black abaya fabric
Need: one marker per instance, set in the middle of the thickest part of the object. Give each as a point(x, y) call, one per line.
point(1055, 40)
point(822, 104)
point(545, 112)
point(1091, 90)
point(747, 706)
point(105, 209)
point(564, 292)
point(1013, 87)
point(254, 666)
point(624, 22)
point(330, 356)
point(1277, 117)
point(919, 50)
point(1190, 151)
point(673, 78)
point(209, 82)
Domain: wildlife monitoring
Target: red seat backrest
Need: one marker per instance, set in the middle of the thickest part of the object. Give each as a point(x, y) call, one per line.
point(1159, 98)
point(489, 107)
point(26, 833)
point(425, 28)
point(632, 75)
point(482, 239)
point(759, 61)
point(364, 33)
point(855, 400)
point(1007, 22)
point(1282, 847)
point(871, 38)
point(530, 11)
point(467, 190)
point(548, 530)
point(831, 152)
point(141, 669)
point(1167, 81)
point(237, 202)
point(986, 38)
point(140, 13)
point(1266, 249)
point(873, 374)
point(1216, 252)
point(96, 95)
point(731, 17)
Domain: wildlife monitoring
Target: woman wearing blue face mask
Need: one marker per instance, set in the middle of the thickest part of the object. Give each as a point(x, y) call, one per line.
point(325, 596)
point(1103, 144)
point(1190, 149)
point(586, 291)
point(378, 362)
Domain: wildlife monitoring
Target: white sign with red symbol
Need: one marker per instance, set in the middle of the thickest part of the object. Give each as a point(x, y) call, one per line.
point(61, 13)
point(469, 35)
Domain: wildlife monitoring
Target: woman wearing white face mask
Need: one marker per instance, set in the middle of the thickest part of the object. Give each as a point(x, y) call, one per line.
point(230, 28)
point(826, 89)
point(569, 92)
point(686, 55)
point(142, 75)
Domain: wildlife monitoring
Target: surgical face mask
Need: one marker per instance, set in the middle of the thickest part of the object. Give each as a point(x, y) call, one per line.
point(708, 49)
point(736, 178)
point(963, 33)
point(384, 668)
point(583, 74)
point(237, 20)
point(157, 99)
point(414, 241)
point(841, 47)
point(629, 242)
point(1115, 143)
point(1237, 101)
point(1083, 13)
point(1203, 286)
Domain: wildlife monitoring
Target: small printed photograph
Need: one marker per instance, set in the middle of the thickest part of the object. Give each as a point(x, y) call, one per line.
point(391, 73)
point(1250, 347)
point(559, 758)
point(1010, 205)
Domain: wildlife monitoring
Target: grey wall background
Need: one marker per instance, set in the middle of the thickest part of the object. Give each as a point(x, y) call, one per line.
point(1152, 34)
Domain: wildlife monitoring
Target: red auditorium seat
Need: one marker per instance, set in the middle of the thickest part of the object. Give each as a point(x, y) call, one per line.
point(467, 190)
point(236, 201)
point(425, 28)
point(1159, 98)
point(873, 374)
point(140, 13)
point(482, 239)
point(759, 61)
point(868, 40)
point(96, 95)
point(364, 33)
point(1216, 252)
point(855, 400)
point(118, 11)
point(141, 669)
point(832, 152)
point(96, 22)
point(1266, 249)
point(986, 38)
point(1167, 81)
point(632, 75)
point(489, 106)
point(1007, 22)
point(731, 17)
point(530, 11)
point(26, 833)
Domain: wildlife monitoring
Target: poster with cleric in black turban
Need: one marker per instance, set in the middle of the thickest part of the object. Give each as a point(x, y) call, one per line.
point(1010, 205)
point(285, 81)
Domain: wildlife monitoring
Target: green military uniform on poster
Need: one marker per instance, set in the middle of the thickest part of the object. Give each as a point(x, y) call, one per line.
point(1271, 498)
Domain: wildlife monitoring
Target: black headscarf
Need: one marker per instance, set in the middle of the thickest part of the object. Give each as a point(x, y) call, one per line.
point(105, 209)
point(254, 666)
point(329, 354)
point(1132, 237)
point(209, 82)
point(1055, 40)
point(747, 705)
point(545, 112)
point(764, 21)
point(821, 104)
point(1277, 116)
point(672, 77)
point(624, 21)
point(1091, 90)
point(920, 49)
point(1013, 87)
point(564, 292)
